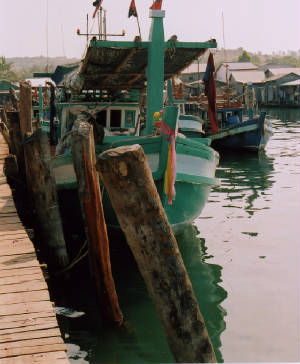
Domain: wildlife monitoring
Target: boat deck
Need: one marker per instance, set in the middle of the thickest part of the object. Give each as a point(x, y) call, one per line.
point(29, 331)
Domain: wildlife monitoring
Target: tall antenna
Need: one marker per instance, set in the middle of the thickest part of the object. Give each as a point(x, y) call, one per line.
point(223, 37)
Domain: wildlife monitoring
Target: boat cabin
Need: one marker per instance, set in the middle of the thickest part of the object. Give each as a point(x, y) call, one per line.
point(225, 116)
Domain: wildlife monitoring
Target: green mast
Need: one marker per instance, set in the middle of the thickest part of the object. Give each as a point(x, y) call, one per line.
point(155, 69)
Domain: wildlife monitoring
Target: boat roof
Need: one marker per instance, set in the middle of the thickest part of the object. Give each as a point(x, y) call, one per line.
point(39, 81)
point(116, 65)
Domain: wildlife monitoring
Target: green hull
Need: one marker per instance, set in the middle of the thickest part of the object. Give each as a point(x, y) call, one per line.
point(196, 164)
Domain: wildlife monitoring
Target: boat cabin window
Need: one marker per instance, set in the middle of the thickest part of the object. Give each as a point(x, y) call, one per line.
point(115, 118)
point(101, 117)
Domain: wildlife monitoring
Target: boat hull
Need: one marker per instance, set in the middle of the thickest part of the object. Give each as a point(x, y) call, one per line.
point(196, 165)
point(250, 135)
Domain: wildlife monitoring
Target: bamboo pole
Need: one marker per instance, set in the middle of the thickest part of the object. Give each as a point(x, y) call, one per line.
point(128, 180)
point(83, 153)
point(40, 177)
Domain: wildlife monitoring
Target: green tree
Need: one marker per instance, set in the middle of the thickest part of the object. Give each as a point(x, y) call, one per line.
point(245, 57)
point(5, 71)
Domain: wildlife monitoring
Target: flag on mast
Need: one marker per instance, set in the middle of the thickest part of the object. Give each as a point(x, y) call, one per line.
point(156, 5)
point(211, 93)
point(97, 3)
point(132, 9)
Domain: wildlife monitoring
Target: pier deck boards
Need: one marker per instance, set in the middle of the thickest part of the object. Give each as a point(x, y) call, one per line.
point(29, 331)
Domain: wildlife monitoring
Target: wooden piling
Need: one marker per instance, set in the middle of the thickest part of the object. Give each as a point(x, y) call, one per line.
point(83, 153)
point(25, 108)
point(42, 186)
point(14, 99)
point(128, 180)
point(16, 141)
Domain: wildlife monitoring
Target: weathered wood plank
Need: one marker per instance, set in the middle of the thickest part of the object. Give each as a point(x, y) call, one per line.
point(58, 357)
point(34, 296)
point(9, 352)
point(13, 249)
point(28, 286)
point(21, 337)
point(28, 324)
point(27, 307)
point(15, 232)
point(42, 326)
point(31, 342)
point(18, 261)
point(19, 279)
point(28, 317)
point(10, 227)
point(15, 273)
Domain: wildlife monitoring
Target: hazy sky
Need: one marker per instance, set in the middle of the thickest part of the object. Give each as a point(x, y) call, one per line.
point(255, 25)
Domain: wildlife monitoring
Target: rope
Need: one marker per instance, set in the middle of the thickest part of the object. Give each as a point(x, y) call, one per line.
point(76, 260)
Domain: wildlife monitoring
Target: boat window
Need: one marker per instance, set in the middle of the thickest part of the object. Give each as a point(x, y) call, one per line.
point(101, 118)
point(115, 118)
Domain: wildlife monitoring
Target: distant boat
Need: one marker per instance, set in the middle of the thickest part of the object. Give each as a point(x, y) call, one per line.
point(236, 130)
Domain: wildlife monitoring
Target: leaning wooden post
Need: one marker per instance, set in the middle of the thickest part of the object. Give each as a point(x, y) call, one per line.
point(43, 188)
point(128, 180)
point(83, 152)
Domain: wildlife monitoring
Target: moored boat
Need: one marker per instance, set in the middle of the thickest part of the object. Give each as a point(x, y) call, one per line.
point(108, 69)
point(225, 120)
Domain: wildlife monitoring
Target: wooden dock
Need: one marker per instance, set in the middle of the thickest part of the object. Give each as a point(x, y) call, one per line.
point(29, 331)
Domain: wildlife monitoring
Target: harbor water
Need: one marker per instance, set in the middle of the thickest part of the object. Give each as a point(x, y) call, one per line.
point(242, 256)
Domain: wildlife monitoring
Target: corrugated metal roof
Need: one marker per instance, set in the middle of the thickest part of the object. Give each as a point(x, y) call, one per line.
point(277, 77)
point(235, 66)
point(291, 83)
point(39, 81)
point(253, 76)
point(283, 71)
point(195, 68)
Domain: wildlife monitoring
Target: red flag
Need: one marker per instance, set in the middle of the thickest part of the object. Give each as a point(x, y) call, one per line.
point(132, 9)
point(210, 92)
point(156, 5)
point(97, 3)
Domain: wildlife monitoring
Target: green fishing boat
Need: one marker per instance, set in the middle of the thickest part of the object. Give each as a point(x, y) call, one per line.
point(108, 87)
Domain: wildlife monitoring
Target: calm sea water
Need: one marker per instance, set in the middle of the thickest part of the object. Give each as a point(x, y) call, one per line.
point(242, 256)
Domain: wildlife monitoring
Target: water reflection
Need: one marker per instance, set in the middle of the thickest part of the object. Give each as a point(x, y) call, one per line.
point(244, 179)
point(285, 115)
point(205, 278)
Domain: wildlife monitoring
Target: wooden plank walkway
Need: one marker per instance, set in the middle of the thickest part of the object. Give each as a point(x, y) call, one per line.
point(29, 331)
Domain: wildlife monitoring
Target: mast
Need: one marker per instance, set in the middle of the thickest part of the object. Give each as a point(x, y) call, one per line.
point(155, 69)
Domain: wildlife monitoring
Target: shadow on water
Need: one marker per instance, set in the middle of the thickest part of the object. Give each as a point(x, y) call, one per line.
point(205, 278)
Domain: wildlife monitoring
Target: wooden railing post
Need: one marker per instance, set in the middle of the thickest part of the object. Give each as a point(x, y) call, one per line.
point(127, 178)
point(83, 152)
